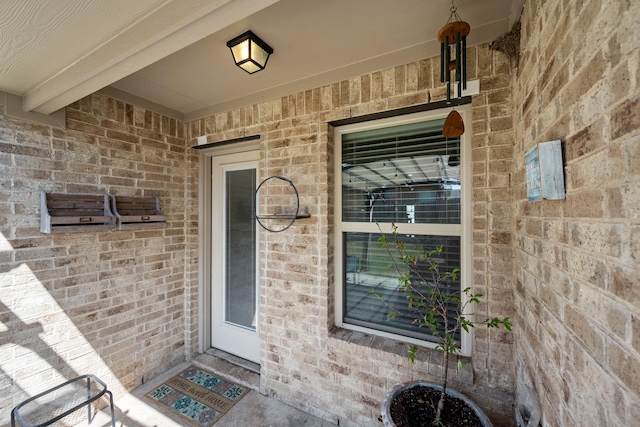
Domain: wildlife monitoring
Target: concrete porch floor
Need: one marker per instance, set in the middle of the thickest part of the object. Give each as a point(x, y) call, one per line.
point(255, 409)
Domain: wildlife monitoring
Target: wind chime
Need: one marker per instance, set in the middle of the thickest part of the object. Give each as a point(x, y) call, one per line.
point(453, 57)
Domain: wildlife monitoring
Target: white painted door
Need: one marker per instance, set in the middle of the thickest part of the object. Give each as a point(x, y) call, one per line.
point(234, 249)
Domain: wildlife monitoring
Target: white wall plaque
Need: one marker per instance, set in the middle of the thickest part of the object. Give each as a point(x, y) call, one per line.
point(544, 171)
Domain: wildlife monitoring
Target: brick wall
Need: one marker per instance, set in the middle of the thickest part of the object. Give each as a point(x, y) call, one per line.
point(577, 259)
point(108, 303)
point(340, 375)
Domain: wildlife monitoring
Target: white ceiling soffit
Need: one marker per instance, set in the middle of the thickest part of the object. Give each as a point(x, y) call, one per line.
point(171, 55)
point(73, 48)
point(316, 43)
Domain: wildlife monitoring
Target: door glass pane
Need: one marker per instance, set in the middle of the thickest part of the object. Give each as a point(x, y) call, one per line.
point(240, 254)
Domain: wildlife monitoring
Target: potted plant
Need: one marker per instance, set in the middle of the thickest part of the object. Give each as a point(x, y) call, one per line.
point(430, 304)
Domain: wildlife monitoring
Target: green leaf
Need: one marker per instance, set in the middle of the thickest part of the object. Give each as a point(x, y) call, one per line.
point(507, 323)
point(448, 338)
point(411, 353)
point(464, 324)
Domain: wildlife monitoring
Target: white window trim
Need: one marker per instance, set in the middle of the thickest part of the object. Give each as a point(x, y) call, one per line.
point(464, 228)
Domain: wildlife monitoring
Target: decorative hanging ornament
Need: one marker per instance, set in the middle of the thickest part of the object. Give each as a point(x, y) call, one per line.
point(453, 125)
point(454, 33)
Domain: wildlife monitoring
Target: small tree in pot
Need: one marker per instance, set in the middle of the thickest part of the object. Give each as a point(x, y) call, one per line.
point(429, 303)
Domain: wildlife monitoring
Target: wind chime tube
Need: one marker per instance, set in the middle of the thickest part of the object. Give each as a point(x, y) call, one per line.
point(457, 56)
point(447, 58)
point(464, 62)
point(458, 65)
point(442, 62)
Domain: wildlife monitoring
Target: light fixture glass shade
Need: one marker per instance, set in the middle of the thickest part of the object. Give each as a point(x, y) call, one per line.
point(249, 52)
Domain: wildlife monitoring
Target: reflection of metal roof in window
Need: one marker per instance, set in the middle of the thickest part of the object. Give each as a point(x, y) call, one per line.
point(421, 191)
point(398, 172)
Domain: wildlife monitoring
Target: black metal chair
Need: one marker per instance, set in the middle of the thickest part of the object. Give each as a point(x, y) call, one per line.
point(58, 402)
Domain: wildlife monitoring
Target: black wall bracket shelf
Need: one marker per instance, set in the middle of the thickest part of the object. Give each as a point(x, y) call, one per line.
point(290, 216)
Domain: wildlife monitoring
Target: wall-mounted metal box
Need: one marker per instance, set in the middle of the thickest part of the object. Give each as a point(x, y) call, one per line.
point(75, 213)
point(138, 212)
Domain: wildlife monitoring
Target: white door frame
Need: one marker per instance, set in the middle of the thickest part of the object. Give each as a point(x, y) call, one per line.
point(204, 235)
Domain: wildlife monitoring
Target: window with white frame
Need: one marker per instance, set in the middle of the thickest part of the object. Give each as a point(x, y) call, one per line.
point(400, 171)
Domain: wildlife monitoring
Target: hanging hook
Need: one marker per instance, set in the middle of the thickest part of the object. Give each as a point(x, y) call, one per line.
point(453, 15)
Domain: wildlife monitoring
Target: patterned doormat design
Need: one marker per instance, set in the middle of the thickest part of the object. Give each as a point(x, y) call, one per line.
point(196, 396)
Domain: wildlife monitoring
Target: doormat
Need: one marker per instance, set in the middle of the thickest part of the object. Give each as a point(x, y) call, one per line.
point(196, 396)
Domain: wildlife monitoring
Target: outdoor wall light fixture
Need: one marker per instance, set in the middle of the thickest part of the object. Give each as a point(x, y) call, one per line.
point(454, 33)
point(249, 52)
